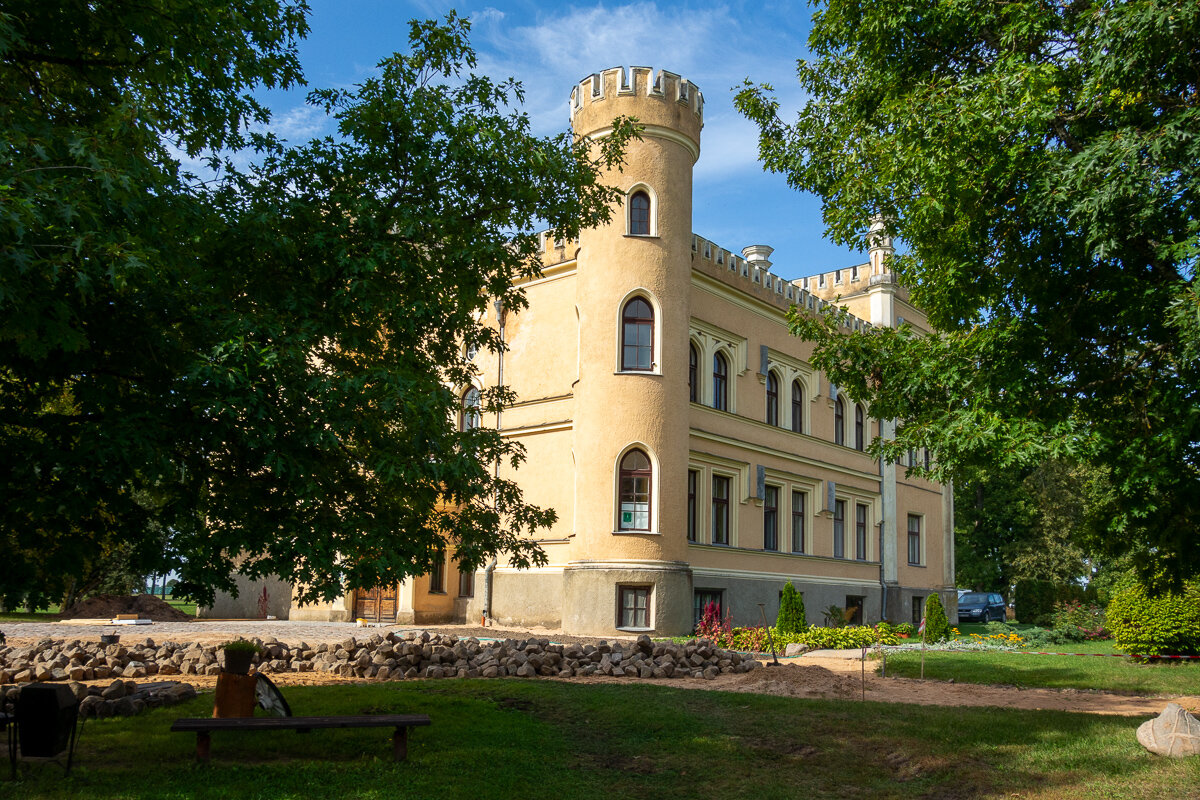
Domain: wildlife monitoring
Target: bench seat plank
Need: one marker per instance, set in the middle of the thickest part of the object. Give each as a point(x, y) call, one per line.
point(204, 726)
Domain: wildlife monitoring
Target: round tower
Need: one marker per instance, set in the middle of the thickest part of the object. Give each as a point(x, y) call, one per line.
point(628, 567)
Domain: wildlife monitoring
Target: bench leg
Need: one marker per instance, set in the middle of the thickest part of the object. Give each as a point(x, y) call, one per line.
point(202, 744)
point(400, 744)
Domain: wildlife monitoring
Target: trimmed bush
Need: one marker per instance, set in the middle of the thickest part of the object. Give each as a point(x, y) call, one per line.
point(937, 626)
point(791, 611)
point(1166, 624)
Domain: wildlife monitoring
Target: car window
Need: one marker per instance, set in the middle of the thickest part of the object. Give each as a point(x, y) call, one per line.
point(972, 598)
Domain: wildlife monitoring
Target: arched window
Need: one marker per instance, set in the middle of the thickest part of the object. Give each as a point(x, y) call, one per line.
point(635, 491)
point(859, 428)
point(797, 407)
point(720, 377)
point(470, 416)
point(693, 374)
point(637, 336)
point(772, 399)
point(639, 214)
point(839, 421)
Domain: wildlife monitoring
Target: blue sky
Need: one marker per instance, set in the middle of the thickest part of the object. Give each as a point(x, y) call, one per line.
point(550, 46)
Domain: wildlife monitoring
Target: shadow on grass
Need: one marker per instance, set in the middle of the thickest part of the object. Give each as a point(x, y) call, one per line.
point(507, 739)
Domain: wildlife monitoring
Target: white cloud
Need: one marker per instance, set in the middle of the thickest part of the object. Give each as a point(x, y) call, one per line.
point(299, 123)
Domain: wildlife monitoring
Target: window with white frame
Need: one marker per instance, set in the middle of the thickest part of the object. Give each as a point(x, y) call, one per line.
point(637, 336)
point(470, 417)
point(634, 487)
point(693, 373)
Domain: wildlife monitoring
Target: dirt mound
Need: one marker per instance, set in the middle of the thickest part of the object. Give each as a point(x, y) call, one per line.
point(794, 680)
point(107, 606)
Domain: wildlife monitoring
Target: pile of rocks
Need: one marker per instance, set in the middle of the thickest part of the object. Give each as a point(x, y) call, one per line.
point(413, 654)
point(118, 699)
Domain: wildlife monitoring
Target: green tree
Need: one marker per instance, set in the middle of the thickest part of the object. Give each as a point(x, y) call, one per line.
point(937, 626)
point(1040, 164)
point(261, 364)
point(1029, 524)
point(791, 611)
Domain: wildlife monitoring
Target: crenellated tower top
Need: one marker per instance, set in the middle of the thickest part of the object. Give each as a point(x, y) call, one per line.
point(666, 105)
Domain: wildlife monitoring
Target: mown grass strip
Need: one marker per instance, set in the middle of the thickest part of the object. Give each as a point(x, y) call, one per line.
point(505, 739)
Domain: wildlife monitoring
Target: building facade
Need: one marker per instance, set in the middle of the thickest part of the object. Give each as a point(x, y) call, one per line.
point(692, 452)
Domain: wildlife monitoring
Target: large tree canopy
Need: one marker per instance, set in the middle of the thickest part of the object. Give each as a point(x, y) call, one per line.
point(260, 365)
point(1040, 161)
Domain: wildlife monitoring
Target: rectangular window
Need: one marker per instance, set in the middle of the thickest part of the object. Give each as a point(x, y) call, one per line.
point(839, 529)
point(466, 583)
point(854, 609)
point(918, 609)
point(720, 510)
point(797, 522)
point(701, 599)
point(437, 575)
point(693, 478)
point(635, 607)
point(914, 539)
point(771, 518)
point(860, 532)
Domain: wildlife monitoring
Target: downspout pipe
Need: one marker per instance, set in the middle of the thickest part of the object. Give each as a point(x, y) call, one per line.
point(501, 314)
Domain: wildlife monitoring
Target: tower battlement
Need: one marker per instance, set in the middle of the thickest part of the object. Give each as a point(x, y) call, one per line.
point(659, 99)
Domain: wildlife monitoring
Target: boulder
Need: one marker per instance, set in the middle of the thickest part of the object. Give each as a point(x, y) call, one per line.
point(1174, 733)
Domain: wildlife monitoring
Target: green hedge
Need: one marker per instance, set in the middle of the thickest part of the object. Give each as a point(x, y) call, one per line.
point(1166, 624)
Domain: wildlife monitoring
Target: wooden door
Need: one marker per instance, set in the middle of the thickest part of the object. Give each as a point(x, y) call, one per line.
point(376, 605)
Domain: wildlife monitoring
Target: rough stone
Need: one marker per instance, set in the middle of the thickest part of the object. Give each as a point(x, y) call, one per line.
point(1174, 733)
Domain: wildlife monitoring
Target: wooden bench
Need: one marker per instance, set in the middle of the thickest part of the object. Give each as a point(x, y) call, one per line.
point(204, 726)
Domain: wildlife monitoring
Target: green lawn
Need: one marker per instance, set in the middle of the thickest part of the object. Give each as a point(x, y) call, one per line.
point(1055, 672)
point(513, 739)
point(51, 614)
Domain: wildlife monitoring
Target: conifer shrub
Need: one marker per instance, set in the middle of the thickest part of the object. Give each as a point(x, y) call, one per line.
point(1155, 624)
point(791, 611)
point(937, 626)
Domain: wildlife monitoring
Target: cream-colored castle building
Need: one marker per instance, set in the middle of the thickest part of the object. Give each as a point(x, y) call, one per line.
point(691, 451)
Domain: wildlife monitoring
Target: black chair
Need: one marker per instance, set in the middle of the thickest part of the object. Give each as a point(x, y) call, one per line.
point(47, 717)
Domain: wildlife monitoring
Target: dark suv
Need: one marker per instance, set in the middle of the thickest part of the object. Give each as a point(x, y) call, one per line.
point(981, 607)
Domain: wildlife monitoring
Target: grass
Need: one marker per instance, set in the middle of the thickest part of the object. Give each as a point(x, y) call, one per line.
point(50, 613)
point(500, 739)
point(1054, 672)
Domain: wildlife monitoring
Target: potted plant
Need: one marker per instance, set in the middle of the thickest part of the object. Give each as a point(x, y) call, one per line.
point(237, 656)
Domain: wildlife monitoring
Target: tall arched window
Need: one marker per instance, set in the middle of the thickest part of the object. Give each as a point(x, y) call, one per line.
point(635, 491)
point(637, 336)
point(839, 421)
point(639, 214)
point(859, 428)
point(720, 377)
point(797, 407)
point(470, 415)
point(693, 374)
point(772, 399)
